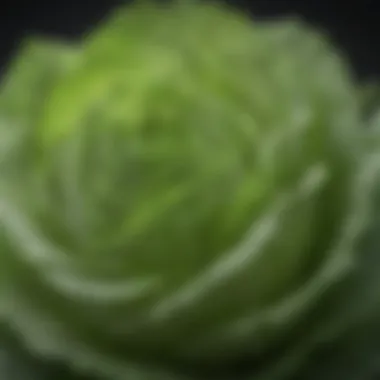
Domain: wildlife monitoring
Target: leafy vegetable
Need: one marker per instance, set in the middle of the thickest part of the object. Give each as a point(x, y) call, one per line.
point(185, 195)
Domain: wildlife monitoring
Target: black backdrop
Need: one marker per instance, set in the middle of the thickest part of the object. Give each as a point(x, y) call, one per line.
point(354, 25)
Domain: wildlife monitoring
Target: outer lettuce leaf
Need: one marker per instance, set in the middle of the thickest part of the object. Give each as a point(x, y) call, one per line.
point(30, 75)
point(23, 89)
point(356, 354)
point(16, 364)
point(347, 343)
point(24, 85)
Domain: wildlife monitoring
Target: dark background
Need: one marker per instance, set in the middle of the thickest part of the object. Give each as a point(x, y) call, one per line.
point(355, 25)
